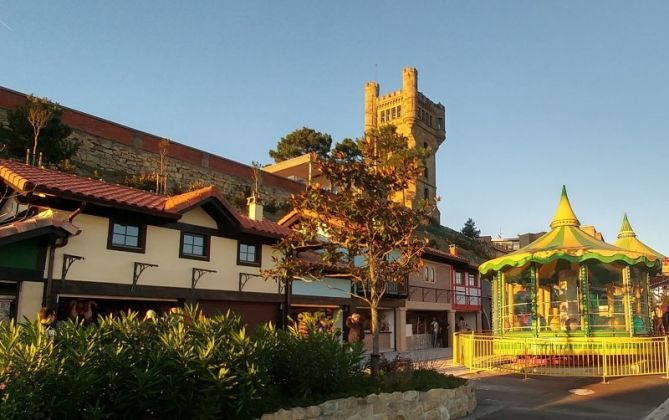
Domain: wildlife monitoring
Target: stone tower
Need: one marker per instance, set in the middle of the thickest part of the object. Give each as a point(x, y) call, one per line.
point(416, 117)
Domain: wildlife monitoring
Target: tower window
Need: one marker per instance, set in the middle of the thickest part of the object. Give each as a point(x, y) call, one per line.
point(399, 111)
point(426, 193)
point(383, 116)
point(424, 145)
point(394, 113)
point(425, 172)
point(440, 123)
point(430, 120)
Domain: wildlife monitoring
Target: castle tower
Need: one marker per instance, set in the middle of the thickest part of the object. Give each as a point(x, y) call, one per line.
point(416, 117)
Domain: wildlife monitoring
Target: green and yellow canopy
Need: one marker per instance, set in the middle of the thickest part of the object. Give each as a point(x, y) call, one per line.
point(627, 240)
point(567, 241)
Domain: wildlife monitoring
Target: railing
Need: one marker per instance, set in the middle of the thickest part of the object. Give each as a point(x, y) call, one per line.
point(396, 289)
point(393, 289)
point(419, 341)
point(467, 300)
point(564, 356)
point(430, 294)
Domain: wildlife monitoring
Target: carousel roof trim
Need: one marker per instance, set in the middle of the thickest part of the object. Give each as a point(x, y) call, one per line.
point(566, 240)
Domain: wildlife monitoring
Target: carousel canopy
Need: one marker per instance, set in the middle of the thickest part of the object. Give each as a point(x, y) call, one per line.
point(567, 241)
point(627, 240)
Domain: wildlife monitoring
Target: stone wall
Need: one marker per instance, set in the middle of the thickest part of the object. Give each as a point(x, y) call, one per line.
point(112, 152)
point(113, 161)
point(411, 405)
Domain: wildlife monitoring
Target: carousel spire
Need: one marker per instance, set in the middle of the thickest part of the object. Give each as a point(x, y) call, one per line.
point(627, 240)
point(626, 230)
point(564, 216)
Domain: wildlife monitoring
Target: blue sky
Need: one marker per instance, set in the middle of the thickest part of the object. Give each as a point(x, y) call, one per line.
point(538, 93)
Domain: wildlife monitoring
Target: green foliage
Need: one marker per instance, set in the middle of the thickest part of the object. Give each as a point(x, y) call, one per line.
point(17, 134)
point(370, 231)
point(469, 229)
point(313, 363)
point(299, 142)
point(182, 366)
point(441, 237)
point(348, 149)
point(141, 181)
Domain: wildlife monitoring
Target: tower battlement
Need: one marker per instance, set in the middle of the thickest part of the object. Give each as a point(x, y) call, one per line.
point(417, 117)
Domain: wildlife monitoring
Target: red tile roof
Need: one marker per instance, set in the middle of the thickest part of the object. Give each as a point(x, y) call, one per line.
point(45, 219)
point(31, 179)
point(448, 256)
point(263, 227)
point(34, 180)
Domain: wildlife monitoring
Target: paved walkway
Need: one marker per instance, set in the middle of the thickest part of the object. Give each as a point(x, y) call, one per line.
point(440, 358)
point(505, 396)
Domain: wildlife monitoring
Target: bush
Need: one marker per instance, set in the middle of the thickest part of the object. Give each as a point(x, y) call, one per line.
point(182, 366)
point(312, 361)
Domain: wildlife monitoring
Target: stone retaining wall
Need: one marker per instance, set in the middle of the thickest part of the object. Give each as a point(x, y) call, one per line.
point(411, 405)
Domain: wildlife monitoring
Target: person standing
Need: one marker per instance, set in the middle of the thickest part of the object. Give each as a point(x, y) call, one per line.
point(658, 324)
point(462, 325)
point(434, 329)
point(355, 330)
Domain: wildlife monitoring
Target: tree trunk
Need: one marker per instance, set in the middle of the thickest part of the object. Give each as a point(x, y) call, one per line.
point(375, 357)
point(34, 148)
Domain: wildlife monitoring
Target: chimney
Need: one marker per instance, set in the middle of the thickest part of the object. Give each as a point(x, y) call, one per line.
point(453, 250)
point(255, 208)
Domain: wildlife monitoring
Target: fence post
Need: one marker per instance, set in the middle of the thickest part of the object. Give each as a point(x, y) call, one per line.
point(471, 351)
point(526, 358)
point(604, 363)
point(666, 356)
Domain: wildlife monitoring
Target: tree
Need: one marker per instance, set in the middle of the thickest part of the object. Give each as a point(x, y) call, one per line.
point(369, 237)
point(469, 229)
point(36, 125)
point(302, 141)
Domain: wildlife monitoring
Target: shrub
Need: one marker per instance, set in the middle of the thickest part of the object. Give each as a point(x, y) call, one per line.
point(311, 361)
point(182, 366)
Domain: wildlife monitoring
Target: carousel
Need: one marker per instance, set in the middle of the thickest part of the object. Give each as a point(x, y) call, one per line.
point(571, 304)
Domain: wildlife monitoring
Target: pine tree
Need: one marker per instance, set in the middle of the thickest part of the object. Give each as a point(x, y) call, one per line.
point(469, 229)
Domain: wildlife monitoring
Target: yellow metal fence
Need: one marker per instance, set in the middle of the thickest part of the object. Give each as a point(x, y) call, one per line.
point(563, 356)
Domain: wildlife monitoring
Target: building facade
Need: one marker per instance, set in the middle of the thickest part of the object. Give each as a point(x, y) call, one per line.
point(92, 248)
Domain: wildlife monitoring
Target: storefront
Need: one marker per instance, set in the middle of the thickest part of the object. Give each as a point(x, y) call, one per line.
point(419, 329)
point(386, 328)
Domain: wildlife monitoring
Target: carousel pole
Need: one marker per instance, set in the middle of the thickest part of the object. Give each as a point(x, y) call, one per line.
point(534, 313)
point(585, 308)
point(649, 303)
point(629, 319)
point(497, 303)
